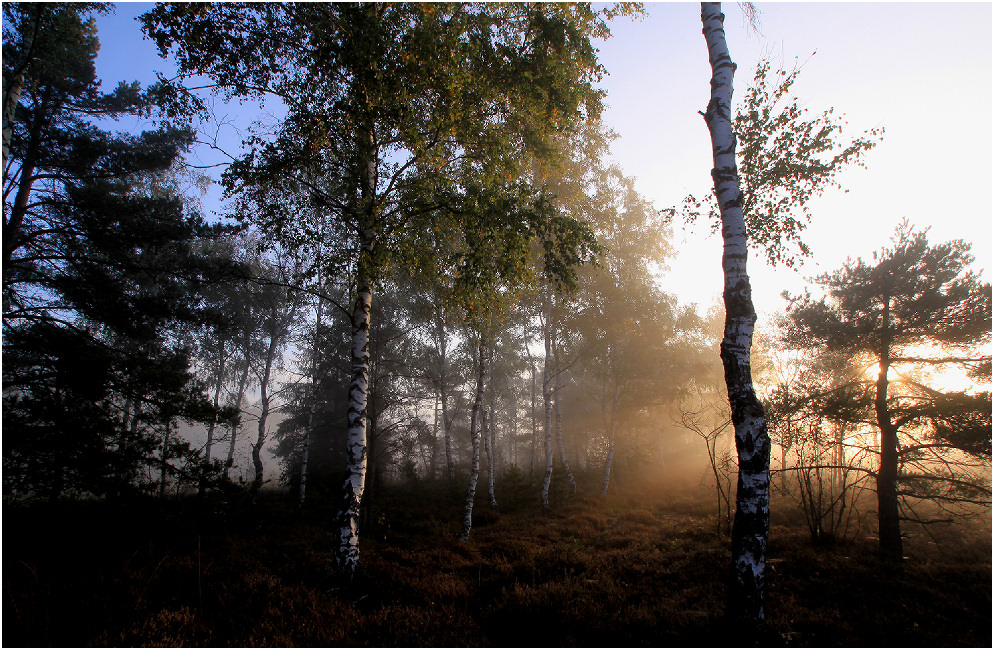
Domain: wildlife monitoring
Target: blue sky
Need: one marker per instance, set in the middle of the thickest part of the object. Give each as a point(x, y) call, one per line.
point(921, 70)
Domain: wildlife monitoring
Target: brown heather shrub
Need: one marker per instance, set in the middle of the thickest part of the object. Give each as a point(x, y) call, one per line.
point(631, 570)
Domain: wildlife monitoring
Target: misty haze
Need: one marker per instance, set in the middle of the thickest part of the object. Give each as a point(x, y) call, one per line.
point(514, 325)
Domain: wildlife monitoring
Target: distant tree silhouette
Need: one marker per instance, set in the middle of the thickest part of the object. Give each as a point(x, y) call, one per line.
point(915, 308)
point(100, 272)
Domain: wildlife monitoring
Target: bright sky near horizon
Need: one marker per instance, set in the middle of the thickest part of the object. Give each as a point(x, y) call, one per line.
point(923, 71)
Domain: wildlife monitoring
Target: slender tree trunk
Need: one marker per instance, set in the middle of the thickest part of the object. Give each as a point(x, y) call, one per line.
point(442, 386)
point(512, 418)
point(274, 341)
point(534, 417)
point(610, 443)
point(347, 550)
point(490, 431)
point(547, 399)
point(488, 450)
point(242, 383)
point(474, 432)
point(308, 432)
point(129, 430)
point(219, 381)
point(304, 458)
point(750, 531)
point(889, 522)
point(164, 466)
point(217, 400)
point(557, 392)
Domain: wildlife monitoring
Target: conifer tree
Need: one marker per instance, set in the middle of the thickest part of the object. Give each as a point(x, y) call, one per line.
point(916, 305)
point(99, 266)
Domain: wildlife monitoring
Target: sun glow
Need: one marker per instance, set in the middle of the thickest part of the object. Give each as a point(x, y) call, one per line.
point(945, 377)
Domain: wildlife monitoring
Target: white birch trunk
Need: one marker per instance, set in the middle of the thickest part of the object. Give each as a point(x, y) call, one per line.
point(474, 432)
point(347, 550)
point(751, 528)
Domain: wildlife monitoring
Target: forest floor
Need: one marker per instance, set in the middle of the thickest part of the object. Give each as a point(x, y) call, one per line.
point(638, 569)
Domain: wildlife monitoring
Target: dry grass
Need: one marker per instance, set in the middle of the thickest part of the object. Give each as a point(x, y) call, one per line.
point(632, 570)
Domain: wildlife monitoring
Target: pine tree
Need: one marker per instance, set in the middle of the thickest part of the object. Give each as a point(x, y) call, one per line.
point(915, 306)
point(99, 268)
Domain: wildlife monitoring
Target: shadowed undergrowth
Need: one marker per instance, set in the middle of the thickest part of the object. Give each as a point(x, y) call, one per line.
point(632, 570)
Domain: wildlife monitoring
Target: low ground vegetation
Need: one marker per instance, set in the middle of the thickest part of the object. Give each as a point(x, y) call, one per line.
point(642, 568)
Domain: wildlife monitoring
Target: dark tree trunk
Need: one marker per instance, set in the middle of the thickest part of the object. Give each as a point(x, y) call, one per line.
point(242, 382)
point(264, 413)
point(12, 225)
point(891, 548)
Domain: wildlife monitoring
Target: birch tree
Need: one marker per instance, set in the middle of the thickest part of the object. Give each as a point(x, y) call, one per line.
point(378, 100)
point(476, 415)
point(750, 530)
point(786, 156)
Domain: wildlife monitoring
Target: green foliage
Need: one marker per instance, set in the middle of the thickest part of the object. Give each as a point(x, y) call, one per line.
point(785, 158)
point(930, 293)
point(401, 120)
